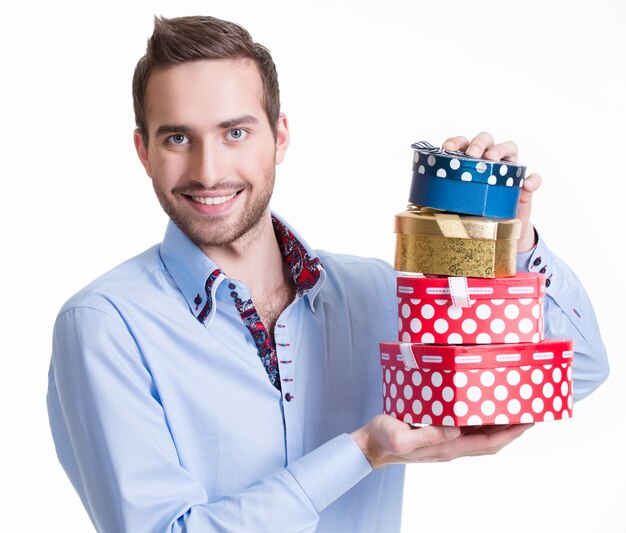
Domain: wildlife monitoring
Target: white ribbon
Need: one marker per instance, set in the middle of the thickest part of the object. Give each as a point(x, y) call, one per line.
point(407, 355)
point(459, 291)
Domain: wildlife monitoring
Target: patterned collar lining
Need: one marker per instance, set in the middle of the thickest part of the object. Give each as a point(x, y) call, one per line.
point(305, 270)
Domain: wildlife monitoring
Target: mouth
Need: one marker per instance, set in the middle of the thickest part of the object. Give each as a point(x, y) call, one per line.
point(213, 200)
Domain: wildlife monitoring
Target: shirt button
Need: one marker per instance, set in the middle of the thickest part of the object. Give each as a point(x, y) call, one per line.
point(231, 286)
point(537, 261)
point(548, 281)
point(288, 397)
point(542, 270)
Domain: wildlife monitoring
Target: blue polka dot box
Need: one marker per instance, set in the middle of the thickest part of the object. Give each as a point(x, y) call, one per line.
point(455, 182)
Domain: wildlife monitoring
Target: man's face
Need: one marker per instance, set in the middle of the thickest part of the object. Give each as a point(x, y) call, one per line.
point(211, 153)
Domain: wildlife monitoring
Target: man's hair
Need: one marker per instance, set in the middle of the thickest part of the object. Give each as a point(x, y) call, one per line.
point(183, 39)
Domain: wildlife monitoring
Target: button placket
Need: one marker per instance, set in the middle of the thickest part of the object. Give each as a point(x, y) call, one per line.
point(266, 349)
point(291, 408)
point(285, 361)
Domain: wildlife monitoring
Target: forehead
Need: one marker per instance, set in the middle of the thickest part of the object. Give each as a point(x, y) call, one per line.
point(204, 93)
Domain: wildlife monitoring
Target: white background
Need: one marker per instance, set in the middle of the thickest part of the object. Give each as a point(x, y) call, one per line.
point(360, 83)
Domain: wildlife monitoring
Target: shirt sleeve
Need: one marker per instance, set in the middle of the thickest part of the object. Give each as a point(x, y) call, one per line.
point(112, 438)
point(568, 314)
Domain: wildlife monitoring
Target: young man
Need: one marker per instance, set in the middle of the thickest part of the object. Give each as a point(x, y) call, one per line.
point(228, 379)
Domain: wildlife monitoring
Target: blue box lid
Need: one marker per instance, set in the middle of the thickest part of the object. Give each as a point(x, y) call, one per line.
point(453, 181)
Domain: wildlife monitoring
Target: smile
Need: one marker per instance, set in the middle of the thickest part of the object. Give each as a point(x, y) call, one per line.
point(213, 200)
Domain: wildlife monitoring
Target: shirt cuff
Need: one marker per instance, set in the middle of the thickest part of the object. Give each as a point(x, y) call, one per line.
point(329, 471)
point(523, 260)
point(536, 260)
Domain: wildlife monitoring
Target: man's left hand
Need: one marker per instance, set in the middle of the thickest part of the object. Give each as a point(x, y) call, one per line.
point(483, 146)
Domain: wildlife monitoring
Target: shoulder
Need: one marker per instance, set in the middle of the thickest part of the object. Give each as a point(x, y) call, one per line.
point(351, 265)
point(128, 281)
point(359, 273)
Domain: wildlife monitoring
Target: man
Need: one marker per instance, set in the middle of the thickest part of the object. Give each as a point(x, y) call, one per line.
point(228, 379)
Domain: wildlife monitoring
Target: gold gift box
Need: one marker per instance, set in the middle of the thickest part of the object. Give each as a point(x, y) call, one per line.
point(447, 244)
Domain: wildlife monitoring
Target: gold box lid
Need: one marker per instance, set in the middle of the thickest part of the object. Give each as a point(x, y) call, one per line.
point(427, 221)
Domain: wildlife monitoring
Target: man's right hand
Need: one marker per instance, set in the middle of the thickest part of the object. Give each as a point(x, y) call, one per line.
point(386, 440)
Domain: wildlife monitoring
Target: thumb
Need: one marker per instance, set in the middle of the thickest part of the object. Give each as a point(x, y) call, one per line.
point(422, 437)
point(524, 207)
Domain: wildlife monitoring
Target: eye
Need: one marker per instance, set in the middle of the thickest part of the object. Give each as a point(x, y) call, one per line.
point(178, 138)
point(236, 134)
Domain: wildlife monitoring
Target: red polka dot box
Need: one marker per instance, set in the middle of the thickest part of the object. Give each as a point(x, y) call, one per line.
point(440, 310)
point(477, 385)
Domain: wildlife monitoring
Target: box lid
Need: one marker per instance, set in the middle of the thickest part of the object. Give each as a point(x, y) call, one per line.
point(522, 285)
point(475, 356)
point(430, 222)
point(430, 160)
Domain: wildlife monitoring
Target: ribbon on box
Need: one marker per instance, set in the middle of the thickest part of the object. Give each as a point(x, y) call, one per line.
point(451, 225)
point(461, 357)
point(421, 220)
point(427, 147)
point(433, 161)
point(407, 355)
point(459, 291)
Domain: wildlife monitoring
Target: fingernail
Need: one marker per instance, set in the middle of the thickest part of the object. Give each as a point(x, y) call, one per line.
point(451, 432)
point(492, 154)
point(473, 151)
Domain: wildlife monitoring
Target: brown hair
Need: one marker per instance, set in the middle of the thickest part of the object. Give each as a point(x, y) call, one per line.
point(182, 39)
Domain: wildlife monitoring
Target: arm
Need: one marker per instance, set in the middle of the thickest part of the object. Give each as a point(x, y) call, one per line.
point(113, 439)
point(569, 315)
point(567, 309)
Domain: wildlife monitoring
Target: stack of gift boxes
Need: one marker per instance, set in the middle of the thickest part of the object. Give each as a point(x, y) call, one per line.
point(471, 347)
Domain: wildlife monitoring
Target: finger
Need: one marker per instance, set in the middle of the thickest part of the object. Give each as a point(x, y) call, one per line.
point(471, 430)
point(412, 439)
point(495, 438)
point(457, 144)
point(485, 430)
point(527, 239)
point(503, 151)
point(479, 144)
point(531, 184)
point(480, 443)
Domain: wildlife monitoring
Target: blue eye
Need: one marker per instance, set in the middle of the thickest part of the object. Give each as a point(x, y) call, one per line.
point(178, 138)
point(236, 134)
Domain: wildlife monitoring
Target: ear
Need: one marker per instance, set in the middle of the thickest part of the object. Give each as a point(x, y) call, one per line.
point(142, 151)
point(282, 137)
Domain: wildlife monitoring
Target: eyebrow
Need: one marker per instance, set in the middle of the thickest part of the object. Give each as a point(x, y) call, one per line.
point(173, 128)
point(230, 123)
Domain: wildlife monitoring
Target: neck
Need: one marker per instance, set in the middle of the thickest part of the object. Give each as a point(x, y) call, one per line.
point(254, 258)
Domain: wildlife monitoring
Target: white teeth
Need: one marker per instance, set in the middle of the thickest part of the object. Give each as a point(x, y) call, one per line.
point(213, 201)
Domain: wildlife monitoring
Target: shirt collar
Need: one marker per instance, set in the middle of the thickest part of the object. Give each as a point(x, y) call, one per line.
point(188, 265)
point(306, 269)
point(193, 271)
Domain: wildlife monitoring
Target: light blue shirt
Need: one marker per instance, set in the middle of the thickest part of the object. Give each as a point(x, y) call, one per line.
point(164, 423)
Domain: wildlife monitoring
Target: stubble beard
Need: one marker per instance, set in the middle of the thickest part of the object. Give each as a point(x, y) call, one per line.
point(217, 230)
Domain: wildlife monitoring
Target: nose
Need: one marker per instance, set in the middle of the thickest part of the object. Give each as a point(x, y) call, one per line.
point(209, 164)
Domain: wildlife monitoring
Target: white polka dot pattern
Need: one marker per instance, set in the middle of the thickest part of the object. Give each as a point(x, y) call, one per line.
point(470, 396)
point(455, 183)
point(468, 169)
point(502, 311)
